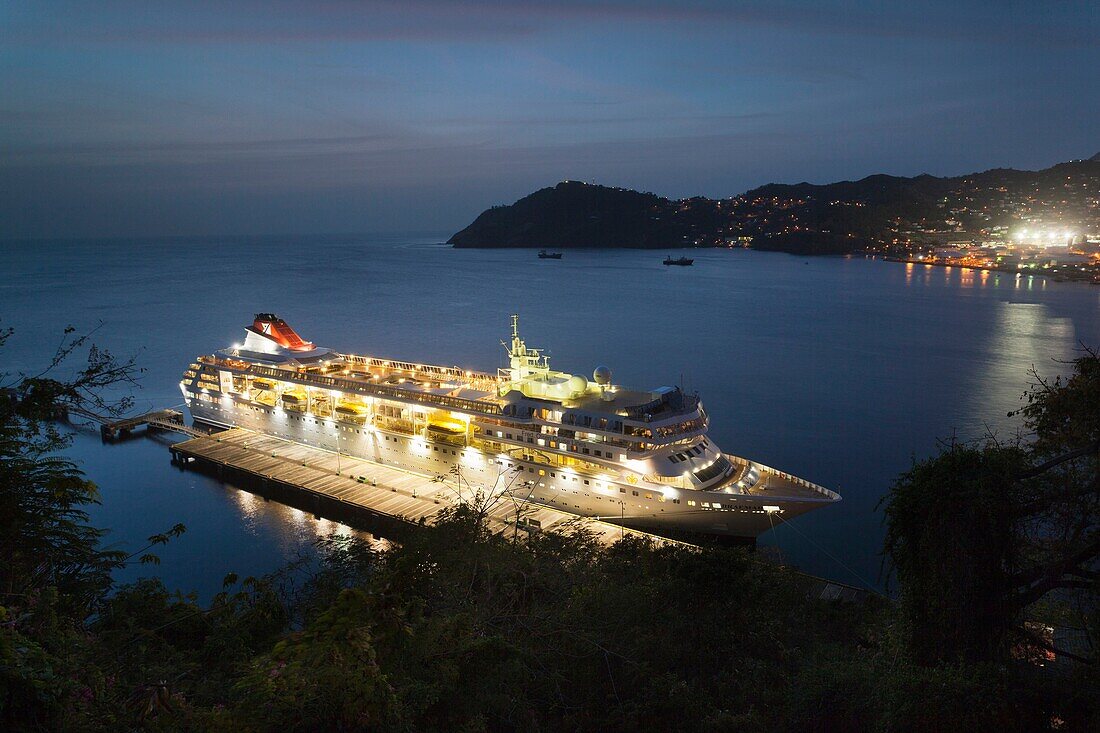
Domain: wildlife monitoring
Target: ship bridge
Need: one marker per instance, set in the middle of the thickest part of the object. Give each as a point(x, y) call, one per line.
point(529, 375)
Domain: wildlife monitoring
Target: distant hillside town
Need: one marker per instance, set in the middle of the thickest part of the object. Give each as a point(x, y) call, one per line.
point(999, 219)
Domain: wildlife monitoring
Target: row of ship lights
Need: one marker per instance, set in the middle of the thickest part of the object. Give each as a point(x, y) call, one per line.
point(472, 456)
point(602, 377)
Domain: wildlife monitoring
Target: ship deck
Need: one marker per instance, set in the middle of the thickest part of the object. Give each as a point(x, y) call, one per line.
point(444, 387)
point(771, 482)
point(423, 380)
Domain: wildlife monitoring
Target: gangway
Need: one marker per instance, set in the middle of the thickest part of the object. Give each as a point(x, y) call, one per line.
point(112, 429)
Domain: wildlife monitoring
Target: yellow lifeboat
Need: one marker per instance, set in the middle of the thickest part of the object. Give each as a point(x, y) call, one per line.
point(349, 411)
point(447, 431)
point(260, 383)
point(295, 399)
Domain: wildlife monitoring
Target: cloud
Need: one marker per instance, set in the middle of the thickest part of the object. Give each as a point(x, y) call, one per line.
point(1063, 24)
point(278, 22)
point(115, 153)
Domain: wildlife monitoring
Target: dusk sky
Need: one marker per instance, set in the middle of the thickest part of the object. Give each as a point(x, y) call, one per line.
point(174, 118)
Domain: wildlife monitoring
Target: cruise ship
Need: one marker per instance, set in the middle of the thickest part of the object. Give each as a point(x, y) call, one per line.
point(590, 447)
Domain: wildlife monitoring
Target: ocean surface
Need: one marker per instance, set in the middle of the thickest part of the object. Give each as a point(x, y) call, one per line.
point(839, 370)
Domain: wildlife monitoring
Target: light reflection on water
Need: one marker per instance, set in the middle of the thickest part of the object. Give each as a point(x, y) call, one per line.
point(1023, 336)
point(260, 515)
point(836, 369)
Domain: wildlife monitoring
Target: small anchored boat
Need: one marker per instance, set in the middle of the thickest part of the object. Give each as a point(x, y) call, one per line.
point(682, 261)
point(544, 255)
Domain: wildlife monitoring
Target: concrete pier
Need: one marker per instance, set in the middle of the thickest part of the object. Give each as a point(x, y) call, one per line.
point(344, 487)
point(387, 500)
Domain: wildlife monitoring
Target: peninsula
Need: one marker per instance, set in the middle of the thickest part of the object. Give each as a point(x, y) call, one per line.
point(880, 213)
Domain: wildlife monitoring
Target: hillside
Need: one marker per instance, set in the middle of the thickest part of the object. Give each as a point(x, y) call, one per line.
point(573, 214)
point(805, 218)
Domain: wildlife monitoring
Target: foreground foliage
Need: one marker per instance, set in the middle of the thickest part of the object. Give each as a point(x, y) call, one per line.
point(988, 537)
point(459, 630)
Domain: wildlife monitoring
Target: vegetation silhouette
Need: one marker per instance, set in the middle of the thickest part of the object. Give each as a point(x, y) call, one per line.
point(460, 629)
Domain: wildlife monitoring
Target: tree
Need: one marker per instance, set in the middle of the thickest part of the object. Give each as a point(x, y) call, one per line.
point(980, 533)
point(54, 572)
point(506, 490)
point(45, 537)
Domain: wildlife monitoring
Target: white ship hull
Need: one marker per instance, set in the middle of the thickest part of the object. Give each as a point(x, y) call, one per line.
point(640, 505)
point(591, 448)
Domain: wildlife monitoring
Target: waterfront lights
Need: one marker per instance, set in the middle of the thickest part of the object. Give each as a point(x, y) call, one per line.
point(1043, 236)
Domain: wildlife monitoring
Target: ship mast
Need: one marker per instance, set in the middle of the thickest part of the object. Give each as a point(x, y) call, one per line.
point(523, 362)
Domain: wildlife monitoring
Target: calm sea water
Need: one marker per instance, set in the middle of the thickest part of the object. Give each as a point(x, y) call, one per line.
point(837, 370)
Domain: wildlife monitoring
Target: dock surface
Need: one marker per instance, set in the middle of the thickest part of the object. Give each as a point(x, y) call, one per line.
point(349, 488)
point(355, 484)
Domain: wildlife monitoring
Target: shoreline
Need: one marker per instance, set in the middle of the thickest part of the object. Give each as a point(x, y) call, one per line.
point(1087, 278)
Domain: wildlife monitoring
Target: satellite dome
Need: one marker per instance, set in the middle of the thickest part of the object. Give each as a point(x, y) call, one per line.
point(602, 375)
point(577, 384)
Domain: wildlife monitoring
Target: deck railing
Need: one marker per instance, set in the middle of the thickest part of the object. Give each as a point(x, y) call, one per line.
point(377, 390)
point(459, 373)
